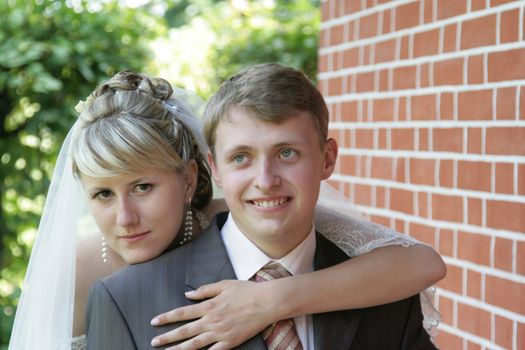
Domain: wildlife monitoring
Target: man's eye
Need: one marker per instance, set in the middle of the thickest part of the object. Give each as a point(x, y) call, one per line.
point(288, 153)
point(239, 158)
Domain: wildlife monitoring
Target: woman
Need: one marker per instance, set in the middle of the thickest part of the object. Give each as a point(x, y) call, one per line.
point(145, 127)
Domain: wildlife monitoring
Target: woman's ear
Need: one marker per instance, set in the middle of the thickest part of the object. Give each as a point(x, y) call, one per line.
point(192, 172)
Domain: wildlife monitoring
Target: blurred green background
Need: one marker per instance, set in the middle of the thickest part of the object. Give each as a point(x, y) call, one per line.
point(53, 53)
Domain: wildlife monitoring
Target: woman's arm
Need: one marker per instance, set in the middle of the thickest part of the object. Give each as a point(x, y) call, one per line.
point(239, 310)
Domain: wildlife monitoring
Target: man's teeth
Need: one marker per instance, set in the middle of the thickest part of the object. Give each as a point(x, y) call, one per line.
point(270, 204)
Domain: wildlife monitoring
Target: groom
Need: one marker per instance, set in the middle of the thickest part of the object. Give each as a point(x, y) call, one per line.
point(267, 131)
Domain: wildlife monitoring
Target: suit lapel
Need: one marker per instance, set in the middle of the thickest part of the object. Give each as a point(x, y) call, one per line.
point(332, 330)
point(209, 262)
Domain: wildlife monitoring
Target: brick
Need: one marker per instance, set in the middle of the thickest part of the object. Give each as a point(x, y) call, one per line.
point(363, 194)
point(506, 65)
point(494, 3)
point(399, 225)
point(424, 75)
point(446, 106)
point(475, 105)
point(446, 309)
point(351, 57)
point(381, 220)
point(446, 173)
point(407, 16)
point(446, 242)
point(449, 72)
point(447, 140)
point(367, 59)
point(422, 233)
point(322, 64)
point(521, 179)
point(474, 207)
point(472, 36)
point(423, 140)
point(368, 26)
point(336, 35)
point(474, 175)
point(504, 331)
point(505, 141)
point(474, 320)
point(402, 108)
point(365, 82)
point(506, 103)
point(352, 6)
point(382, 168)
point(402, 200)
point(325, 10)
point(473, 346)
point(474, 140)
point(404, 78)
point(474, 284)
point(422, 205)
point(449, 38)
point(364, 138)
point(446, 9)
point(383, 138)
point(348, 165)
point(475, 69)
point(337, 62)
point(384, 75)
point(447, 208)
point(453, 281)
point(509, 26)
point(387, 21)
point(474, 247)
point(349, 111)
point(383, 109)
point(385, 51)
point(522, 103)
point(423, 107)
point(335, 86)
point(478, 5)
point(403, 50)
point(399, 165)
point(422, 171)
point(428, 13)
point(506, 294)
point(505, 178)
point(380, 197)
point(521, 336)
point(506, 215)
point(520, 258)
point(402, 139)
point(426, 43)
point(503, 254)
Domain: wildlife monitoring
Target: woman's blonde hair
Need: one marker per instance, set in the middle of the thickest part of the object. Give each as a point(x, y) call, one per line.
point(131, 122)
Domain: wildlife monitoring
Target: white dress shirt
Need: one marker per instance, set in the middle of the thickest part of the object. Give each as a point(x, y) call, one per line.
point(247, 259)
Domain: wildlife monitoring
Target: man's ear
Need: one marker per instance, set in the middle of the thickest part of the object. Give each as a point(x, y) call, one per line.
point(192, 172)
point(214, 170)
point(330, 157)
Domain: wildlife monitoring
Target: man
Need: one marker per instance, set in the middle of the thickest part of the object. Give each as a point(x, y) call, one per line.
point(267, 131)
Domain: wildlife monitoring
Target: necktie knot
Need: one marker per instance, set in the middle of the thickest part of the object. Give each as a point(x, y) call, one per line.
point(272, 270)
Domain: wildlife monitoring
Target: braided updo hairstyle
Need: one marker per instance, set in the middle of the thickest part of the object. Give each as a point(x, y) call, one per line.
point(132, 122)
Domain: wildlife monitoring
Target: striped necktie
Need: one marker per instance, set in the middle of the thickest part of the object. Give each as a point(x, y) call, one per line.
point(281, 335)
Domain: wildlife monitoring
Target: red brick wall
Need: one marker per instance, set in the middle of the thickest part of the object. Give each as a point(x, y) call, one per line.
point(427, 102)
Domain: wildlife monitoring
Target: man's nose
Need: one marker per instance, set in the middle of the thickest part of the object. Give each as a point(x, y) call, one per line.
point(127, 214)
point(267, 176)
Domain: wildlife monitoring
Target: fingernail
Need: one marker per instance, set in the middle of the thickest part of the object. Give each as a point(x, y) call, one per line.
point(190, 293)
point(155, 342)
point(155, 322)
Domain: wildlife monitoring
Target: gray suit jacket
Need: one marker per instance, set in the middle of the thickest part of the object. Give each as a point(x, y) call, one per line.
point(121, 306)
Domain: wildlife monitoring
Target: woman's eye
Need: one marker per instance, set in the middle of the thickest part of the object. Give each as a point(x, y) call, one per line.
point(288, 153)
point(103, 194)
point(143, 188)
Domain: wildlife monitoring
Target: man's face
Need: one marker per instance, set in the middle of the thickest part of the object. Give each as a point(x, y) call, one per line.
point(270, 174)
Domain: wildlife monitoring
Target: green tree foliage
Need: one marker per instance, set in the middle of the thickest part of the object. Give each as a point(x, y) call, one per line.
point(52, 53)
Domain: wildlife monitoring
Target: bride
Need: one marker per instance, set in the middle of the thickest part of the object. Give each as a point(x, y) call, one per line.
point(69, 255)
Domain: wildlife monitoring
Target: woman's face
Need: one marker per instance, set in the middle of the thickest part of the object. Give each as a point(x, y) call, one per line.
point(140, 214)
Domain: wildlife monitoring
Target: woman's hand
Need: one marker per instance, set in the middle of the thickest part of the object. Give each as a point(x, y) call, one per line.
point(237, 311)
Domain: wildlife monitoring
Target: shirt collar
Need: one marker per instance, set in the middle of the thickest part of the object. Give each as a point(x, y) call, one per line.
point(247, 258)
